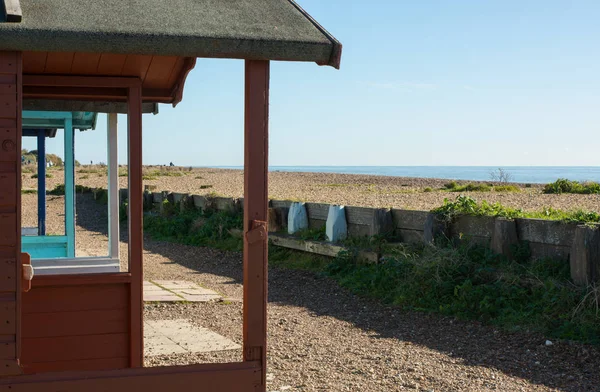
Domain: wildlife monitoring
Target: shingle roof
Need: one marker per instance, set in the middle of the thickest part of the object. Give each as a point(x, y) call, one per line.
point(247, 29)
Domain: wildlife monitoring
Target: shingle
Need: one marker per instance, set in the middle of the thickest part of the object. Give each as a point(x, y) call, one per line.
point(251, 29)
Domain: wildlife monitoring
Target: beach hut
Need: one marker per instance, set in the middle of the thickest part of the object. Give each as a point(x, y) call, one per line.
point(43, 125)
point(83, 331)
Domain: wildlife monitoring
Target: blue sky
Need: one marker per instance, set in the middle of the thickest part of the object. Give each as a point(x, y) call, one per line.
point(425, 82)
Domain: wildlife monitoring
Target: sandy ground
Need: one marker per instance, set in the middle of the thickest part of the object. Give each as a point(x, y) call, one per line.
point(322, 338)
point(345, 189)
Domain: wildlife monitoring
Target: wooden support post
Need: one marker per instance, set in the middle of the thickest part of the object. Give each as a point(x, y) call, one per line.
point(10, 209)
point(504, 237)
point(41, 146)
point(136, 211)
point(585, 255)
point(70, 186)
point(113, 186)
point(256, 124)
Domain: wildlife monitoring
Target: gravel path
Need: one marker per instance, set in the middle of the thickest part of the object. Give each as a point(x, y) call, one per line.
point(323, 338)
point(345, 189)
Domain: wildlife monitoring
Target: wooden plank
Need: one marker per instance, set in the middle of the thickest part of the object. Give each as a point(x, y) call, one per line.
point(111, 64)
point(75, 298)
point(136, 65)
point(281, 203)
point(360, 215)
point(8, 106)
point(8, 181)
point(256, 199)
point(34, 62)
point(8, 350)
point(59, 63)
point(79, 365)
point(409, 219)
point(317, 211)
point(12, 9)
point(84, 63)
point(239, 377)
point(159, 67)
point(72, 348)
point(81, 322)
point(7, 88)
point(8, 233)
point(136, 216)
point(82, 279)
point(8, 144)
point(9, 62)
point(546, 231)
point(80, 81)
point(8, 316)
point(318, 247)
point(113, 185)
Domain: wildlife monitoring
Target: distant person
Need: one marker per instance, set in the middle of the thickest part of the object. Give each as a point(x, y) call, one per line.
point(171, 164)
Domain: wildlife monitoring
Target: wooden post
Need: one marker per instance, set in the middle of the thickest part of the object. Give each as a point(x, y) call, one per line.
point(585, 255)
point(256, 121)
point(136, 243)
point(70, 186)
point(113, 186)
point(41, 155)
point(10, 210)
point(504, 237)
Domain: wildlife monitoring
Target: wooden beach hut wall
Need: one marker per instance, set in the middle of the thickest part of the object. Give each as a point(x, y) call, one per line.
point(83, 331)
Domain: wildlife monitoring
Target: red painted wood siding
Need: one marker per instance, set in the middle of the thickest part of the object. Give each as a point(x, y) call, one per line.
point(10, 211)
point(76, 327)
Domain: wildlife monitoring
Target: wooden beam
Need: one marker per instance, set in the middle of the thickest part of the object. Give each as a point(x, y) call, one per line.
point(81, 280)
point(92, 94)
point(136, 212)
point(81, 81)
point(12, 10)
point(41, 157)
point(226, 377)
point(113, 186)
point(69, 153)
point(256, 124)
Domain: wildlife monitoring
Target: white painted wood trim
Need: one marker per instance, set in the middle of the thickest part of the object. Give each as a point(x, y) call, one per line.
point(113, 186)
point(80, 265)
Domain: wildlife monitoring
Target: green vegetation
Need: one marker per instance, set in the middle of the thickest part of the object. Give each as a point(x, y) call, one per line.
point(213, 229)
point(59, 190)
point(563, 185)
point(465, 205)
point(205, 186)
point(29, 191)
point(428, 189)
point(48, 175)
point(123, 172)
point(312, 234)
point(85, 177)
point(453, 186)
point(467, 283)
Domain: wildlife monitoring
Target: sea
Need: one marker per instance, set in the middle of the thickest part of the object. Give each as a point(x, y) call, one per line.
point(518, 174)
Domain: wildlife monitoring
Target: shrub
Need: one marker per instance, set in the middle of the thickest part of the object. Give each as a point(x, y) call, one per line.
point(562, 185)
point(428, 189)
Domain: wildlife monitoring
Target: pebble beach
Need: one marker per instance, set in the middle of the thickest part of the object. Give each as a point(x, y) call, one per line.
point(343, 189)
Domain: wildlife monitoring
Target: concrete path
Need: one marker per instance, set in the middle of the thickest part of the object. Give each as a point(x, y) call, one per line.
point(166, 337)
point(177, 291)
